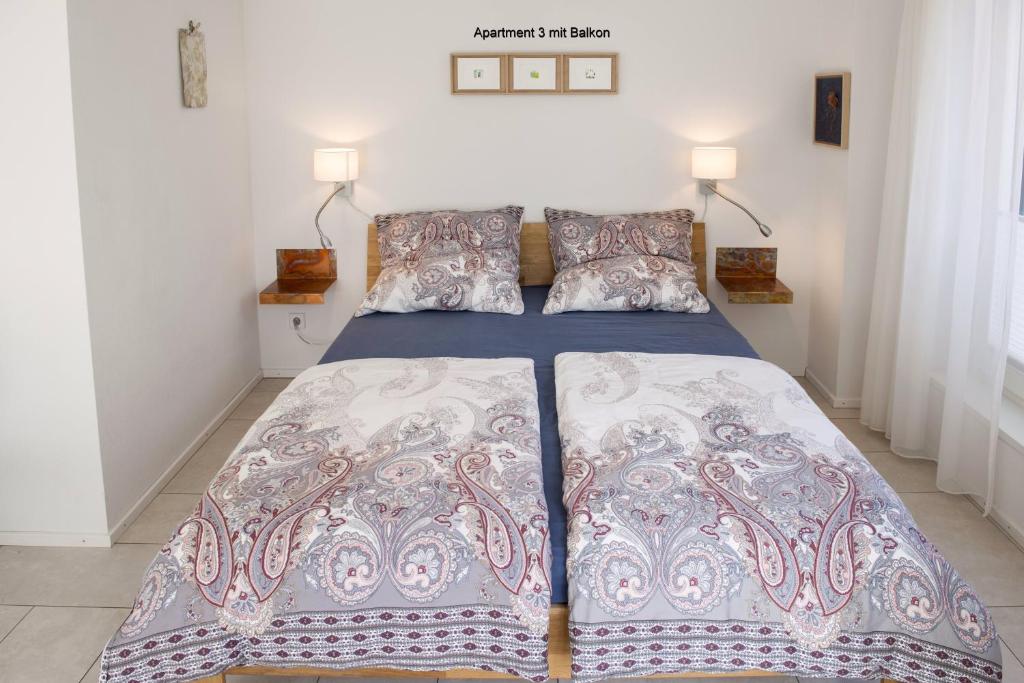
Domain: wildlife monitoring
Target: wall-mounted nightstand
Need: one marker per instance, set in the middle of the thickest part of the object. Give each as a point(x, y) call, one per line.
point(748, 275)
point(303, 277)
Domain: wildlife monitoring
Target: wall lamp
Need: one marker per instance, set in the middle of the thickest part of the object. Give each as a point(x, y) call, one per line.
point(711, 164)
point(338, 165)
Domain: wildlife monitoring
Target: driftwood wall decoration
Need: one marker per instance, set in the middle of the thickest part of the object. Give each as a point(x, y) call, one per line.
point(192, 48)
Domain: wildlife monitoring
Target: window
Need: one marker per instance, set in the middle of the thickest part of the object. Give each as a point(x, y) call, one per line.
point(1015, 369)
point(1016, 346)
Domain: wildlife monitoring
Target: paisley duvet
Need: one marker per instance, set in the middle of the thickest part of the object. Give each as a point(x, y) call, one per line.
point(383, 512)
point(719, 522)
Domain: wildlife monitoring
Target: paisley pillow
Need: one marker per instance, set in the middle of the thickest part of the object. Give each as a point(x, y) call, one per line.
point(576, 237)
point(449, 261)
point(627, 283)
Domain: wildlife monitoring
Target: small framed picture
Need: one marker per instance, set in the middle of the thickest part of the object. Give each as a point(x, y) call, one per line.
point(534, 73)
point(478, 74)
point(591, 73)
point(832, 109)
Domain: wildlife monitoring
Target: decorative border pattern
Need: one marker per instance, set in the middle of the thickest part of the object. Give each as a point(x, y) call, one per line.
point(422, 640)
point(644, 648)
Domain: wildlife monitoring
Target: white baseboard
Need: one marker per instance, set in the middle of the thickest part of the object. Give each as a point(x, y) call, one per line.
point(833, 400)
point(282, 372)
point(51, 538)
point(1015, 533)
point(179, 462)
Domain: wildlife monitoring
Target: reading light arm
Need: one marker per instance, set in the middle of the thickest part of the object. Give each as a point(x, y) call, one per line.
point(325, 241)
point(765, 230)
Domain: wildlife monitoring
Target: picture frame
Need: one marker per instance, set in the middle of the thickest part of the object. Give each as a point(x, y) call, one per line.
point(831, 123)
point(591, 73)
point(534, 73)
point(479, 74)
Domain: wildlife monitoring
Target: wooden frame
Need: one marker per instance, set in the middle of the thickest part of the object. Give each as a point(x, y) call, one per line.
point(502, 73)
point(844, 104)
point(535, 264)
point(510, 60)
point(566, 88)
point(562, 62)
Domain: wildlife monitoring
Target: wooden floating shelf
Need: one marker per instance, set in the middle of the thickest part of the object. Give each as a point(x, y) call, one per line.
point(296, 291)
point(748, 275)
point(303, 277)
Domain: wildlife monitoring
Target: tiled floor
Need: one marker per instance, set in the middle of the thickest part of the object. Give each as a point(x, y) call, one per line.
point(71, 600)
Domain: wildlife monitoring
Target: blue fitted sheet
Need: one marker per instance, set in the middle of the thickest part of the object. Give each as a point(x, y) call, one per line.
point(540, 337)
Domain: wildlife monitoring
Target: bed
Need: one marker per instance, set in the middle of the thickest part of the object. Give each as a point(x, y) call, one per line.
point(538, 338)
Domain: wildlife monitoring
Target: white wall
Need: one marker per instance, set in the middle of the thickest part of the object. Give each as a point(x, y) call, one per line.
point(167, 231)
point(849, 193)
point(51, 488)
point(376, 76)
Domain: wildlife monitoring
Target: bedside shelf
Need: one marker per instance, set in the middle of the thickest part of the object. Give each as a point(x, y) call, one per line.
point(311, 291)
point(303, 277)
point(748, 275)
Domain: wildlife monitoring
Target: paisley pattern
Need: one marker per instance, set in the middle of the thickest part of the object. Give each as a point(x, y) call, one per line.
point(154, 595)
point(349, 570)
point(712, 488)
point(578, 237)
point(627, 283)
point(448, 260)
point(367, 485)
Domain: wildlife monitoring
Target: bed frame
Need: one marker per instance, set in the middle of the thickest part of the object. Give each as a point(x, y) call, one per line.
point(535, 268)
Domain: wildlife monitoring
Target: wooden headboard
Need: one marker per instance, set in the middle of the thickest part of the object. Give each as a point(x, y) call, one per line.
point(535, 264)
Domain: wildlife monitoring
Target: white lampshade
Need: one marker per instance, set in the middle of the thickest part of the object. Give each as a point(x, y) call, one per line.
point(336, 164)
point(713, 163)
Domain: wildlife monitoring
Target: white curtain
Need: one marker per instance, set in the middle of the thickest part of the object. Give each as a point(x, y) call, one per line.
point(940, 316)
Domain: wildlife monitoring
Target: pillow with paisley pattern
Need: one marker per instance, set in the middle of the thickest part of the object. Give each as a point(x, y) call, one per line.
point(627, 283)
point(449, 261)
point(623, 262)
point(576, 237)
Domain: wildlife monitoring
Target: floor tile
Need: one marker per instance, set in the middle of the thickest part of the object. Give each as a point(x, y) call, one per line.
point(78, 634)
point(79, 577)
point(866, 440)
point(93, 675)
point(253, 405)
point(1010, 626)
point(823, 404)
point(160, 520)
point(275, 384)
point(1013, 670)
point(974, 545)
point(197, 473)
point(905, 475)
point(286, 679)
point(10, 615)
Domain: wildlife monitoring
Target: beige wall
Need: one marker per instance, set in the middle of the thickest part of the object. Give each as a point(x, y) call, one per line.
point(728, 72)
point(166, 228)
point(849, 205)
point(51, 487)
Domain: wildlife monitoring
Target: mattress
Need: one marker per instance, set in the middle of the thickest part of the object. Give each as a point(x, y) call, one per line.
point(540, 337)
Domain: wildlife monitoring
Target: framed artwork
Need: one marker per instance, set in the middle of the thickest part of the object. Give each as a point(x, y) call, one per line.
point(478, 74)
point(534, 73)
point(591, 73)
point(832, 109)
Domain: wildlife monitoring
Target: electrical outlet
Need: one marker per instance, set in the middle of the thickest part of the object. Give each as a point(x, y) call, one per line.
point(296, 321)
